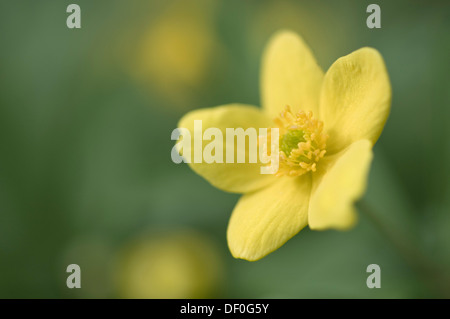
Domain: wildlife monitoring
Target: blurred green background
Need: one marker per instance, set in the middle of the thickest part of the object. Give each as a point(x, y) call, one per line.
point(85, 169)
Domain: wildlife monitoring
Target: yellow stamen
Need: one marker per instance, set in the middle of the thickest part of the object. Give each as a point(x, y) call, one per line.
point(302, 142)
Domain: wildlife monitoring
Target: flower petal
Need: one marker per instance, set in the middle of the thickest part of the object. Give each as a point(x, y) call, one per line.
point(264, 220)
point(231, 177)
point(355, 99)
point(338, 182)
point(290, 75)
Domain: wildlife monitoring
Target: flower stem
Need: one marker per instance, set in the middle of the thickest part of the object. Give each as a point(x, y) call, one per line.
point(430, 273)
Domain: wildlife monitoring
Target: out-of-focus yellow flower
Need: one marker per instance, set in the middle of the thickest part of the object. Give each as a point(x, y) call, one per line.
point(171, 265)
point(326, 140)
point(176, 51)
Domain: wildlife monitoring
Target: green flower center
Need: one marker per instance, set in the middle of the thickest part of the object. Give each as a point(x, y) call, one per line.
point(290, 140)
point(302, 143)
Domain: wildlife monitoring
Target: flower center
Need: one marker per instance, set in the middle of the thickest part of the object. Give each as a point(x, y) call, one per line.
point(302, 142)
point(290, 140)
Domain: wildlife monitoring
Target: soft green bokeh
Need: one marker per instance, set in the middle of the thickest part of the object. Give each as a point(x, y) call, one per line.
point(85, 125)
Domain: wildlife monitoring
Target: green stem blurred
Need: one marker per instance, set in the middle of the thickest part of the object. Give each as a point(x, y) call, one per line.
point(430, 273)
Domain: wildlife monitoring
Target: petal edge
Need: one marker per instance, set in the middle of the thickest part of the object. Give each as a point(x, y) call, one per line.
point(290, 75)
point(339, 182)
point(264, 220)
point(230, 177)
point(355, 99)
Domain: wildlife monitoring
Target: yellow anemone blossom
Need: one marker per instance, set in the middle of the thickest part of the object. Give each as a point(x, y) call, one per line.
point(168, 265)
point(328, 124)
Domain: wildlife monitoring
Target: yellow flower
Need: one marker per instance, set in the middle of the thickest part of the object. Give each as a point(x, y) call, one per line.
point(169, 265)
point(331, 124)
point(177, 50)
